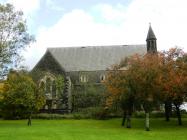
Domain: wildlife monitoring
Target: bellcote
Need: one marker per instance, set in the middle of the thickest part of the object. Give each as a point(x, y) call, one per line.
point(151, 41)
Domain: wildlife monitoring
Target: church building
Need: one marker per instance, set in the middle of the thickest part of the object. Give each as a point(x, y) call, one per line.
point(64, 70)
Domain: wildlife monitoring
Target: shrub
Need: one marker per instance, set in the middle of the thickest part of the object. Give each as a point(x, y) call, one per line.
point(184, 115)
point(20, 96)
point(97, 113)
point(87, 96)
point(139, 114)
point(46, 116)
point(79, 116)
point(153, 114)
point(92, 113)
point(157, 114)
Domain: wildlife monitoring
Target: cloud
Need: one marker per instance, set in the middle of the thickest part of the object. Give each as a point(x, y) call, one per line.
point(111, 13)
point(167, 17)
point(129, 26)
point(53, 6)
point(76, 28)
point(27, 6)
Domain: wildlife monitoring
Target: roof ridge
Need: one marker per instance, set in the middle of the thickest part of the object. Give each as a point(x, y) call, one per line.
point(95, 46)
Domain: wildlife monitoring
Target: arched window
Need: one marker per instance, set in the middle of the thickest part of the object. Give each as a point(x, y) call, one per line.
point(42, 85)
point(48, 86)
point(83, 78)
point(54, 89)
point(150, 44)
point(102, 78)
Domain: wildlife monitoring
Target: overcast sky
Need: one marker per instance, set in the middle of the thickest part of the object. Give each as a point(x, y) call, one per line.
point(64, 23)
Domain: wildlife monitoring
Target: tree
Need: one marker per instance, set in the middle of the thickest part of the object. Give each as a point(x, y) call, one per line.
point(21, 97)
point(143, 71)
point(134, 81)
point(119, 88)
point(127, 103)
point(150, 80)
point(13, 37)
point(172, 81)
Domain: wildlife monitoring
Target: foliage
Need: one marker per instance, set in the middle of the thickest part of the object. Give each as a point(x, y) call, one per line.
point(88, 113)
point(1, 90)
point(172, 80)
point(149, 80)
point(153, 114)
point(133, 82)
point(98, 113)
point(60, 84)
point(87, 96)
point(46, 116)
point(21, 97)
point(37, 74)
point(13, 37)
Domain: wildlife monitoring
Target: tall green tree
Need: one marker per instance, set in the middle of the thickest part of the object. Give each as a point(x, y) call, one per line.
point(13, 37)
point(21, 97)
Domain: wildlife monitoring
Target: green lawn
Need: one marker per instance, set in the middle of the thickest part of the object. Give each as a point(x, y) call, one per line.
point(91, 130)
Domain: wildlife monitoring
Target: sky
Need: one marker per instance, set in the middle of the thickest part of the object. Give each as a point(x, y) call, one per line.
point(70, 23)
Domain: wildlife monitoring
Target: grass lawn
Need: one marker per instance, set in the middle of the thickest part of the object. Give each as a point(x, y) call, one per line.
point(91, 130)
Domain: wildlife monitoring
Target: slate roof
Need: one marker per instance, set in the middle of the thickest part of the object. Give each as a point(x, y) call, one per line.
point(93, 58)
point(150, 34)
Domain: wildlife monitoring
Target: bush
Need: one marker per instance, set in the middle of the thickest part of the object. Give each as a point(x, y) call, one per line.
point(139, 114)
point(92, 113)
point(86, 96)
point(46, 116)
point(157, 114)
point(153, 114)
point(86, 113)
point(79, 116)
point(20, 96)
point(100, 113)
point(183, 111)
point(184, 115)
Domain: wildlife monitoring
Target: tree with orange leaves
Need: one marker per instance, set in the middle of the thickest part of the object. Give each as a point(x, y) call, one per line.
point(143, 70)
point(117, 85)
point(133, 81)
point(172, 81)
point(149, 79)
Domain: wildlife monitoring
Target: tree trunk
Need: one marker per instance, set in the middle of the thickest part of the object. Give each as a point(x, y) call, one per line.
point(128, 120)
point(124, 118)
point(168, 108)
point(147, 121)
point(29, 121)
point(178, 114)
